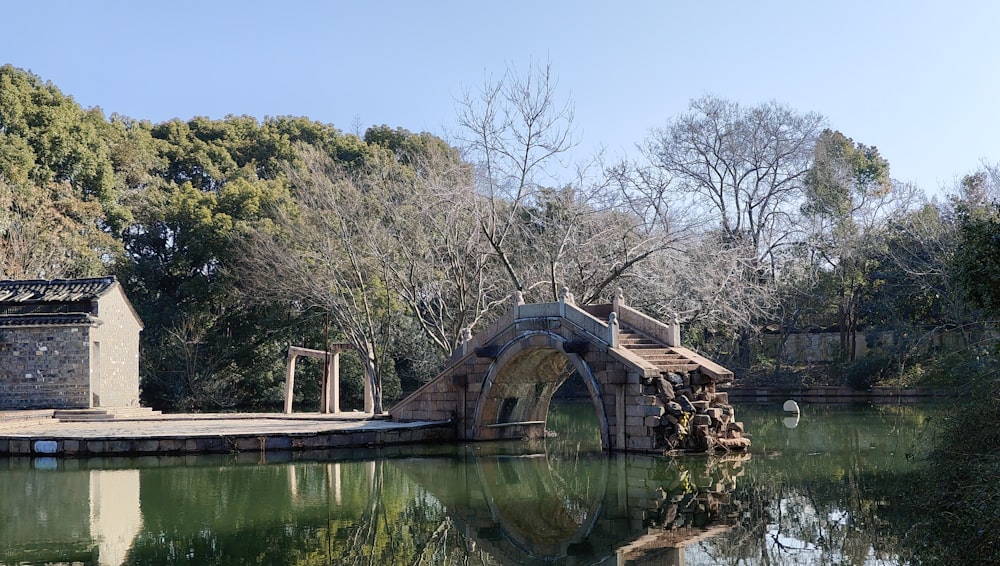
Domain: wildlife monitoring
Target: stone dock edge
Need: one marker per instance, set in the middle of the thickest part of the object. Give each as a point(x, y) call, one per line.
point(841, 394)
point(16, 443)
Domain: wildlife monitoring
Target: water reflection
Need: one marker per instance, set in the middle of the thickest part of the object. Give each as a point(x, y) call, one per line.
point(89, 516)
point(808, 495)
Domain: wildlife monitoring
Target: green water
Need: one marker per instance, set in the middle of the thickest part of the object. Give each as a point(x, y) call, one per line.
point(803, 496)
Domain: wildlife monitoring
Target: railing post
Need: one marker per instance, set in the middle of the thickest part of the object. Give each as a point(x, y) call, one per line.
point(613, 330)
point(565, 297)
point(674, 332)
point(463, 346)
point(618, 301)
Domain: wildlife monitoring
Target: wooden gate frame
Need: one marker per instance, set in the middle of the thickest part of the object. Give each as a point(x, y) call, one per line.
point(330, 395)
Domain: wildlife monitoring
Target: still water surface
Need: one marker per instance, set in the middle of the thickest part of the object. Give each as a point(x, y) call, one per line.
point(803, 496)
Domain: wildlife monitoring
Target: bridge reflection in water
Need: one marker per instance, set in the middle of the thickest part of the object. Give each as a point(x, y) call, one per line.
point(494, 503)
point(521, 507)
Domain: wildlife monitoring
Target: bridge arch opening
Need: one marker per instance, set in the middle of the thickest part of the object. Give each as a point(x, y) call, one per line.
point(518, 388)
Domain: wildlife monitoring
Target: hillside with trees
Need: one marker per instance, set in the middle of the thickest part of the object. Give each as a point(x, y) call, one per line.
point(236, 237)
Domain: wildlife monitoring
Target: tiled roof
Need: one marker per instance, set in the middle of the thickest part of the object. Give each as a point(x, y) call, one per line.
point(54, 291)
point(47, 319)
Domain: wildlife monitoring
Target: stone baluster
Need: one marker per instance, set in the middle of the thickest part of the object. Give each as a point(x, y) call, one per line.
point(463, 342)
point(565, 298)
point(674, 332)
point(613, 330)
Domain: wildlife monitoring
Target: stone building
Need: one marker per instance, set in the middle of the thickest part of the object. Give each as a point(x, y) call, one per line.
point(68, 344)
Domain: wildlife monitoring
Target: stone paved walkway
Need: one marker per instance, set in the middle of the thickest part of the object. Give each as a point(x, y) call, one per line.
point(200, 425)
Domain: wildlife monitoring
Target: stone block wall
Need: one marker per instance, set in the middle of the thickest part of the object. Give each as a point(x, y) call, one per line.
point(438, 400)
point(45, 366)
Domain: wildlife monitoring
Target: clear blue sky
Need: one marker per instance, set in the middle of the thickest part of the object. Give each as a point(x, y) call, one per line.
point(920, 80)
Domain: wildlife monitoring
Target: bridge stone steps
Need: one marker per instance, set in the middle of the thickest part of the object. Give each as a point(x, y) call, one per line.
point(655, 352)
point(632, 339)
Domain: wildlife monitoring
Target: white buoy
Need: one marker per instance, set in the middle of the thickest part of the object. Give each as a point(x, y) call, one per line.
point(791, 406)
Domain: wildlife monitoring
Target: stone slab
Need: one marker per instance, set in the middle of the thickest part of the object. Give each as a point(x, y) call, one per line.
point(221, 433)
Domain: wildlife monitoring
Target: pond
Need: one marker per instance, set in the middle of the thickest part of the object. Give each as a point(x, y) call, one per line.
point(803, 496)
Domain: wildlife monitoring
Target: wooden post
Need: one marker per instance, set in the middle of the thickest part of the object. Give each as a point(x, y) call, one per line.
point(335, 383)
point(369, 398)
point(289, 383)
point(324, 394)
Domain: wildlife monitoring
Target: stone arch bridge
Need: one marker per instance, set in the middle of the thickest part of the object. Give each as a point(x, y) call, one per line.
point(650, 393)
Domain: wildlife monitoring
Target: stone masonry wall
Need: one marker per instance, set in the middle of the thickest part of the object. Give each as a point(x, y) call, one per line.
point(45, 367)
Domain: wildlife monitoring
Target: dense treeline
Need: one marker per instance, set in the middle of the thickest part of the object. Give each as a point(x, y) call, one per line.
point(237, 237)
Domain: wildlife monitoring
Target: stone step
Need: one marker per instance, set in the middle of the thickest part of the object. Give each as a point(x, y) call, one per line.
point(655, 352)
point(667, 361)
point(679, 368)
point(133, 412)
point(99, 414)
point(660, 352)
point(81, 415)
point(642, 345)
point(24, 417)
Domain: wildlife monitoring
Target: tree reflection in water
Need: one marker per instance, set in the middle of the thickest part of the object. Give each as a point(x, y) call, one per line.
point(808, 495)
point(815, 494)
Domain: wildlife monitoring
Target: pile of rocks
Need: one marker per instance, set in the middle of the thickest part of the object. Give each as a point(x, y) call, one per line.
point(697, 498)
point(695, 417)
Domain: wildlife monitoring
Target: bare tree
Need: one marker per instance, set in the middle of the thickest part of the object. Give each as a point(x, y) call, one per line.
point(741, 171)
point(443, 268)
point(332, 251)
point(50, 233)
point(515, 131)
point(588, 239)
point(742, 167)
point(546, 232)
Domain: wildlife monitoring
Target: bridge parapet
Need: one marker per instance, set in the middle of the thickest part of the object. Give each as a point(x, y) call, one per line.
point(668, 334)
point(584, 318)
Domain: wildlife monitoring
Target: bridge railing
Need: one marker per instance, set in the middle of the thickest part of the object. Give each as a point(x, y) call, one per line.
point(593, 319)
point(488, 332)
point(587, 318)
point(588, 323)
point(669, 334)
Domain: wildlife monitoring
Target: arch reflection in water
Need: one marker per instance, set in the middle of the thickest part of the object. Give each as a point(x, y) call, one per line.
point(528, 508)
